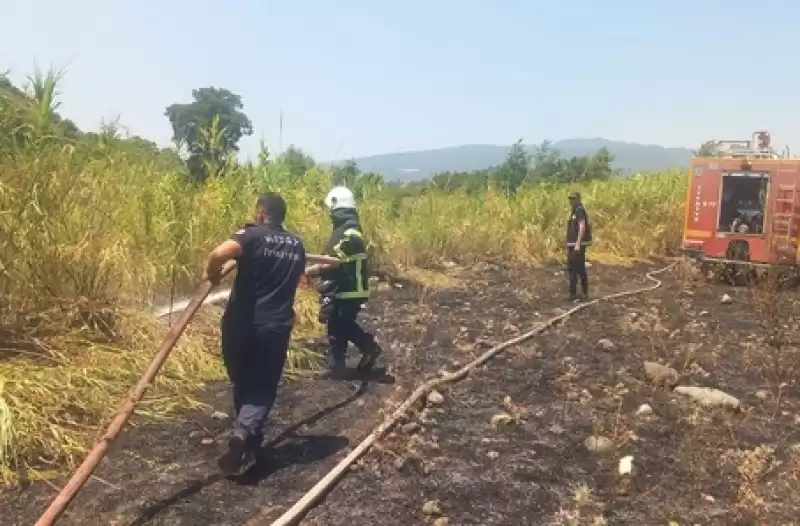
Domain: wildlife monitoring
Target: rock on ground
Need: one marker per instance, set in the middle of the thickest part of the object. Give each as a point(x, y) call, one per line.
point(661, 374)
point(709, 396)
point(432, 507)
point(435, 397)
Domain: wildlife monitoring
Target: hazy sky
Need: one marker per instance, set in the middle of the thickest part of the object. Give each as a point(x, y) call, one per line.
point(357, 77)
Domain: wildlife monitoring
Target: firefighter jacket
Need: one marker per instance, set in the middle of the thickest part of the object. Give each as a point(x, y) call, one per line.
point(351, 279)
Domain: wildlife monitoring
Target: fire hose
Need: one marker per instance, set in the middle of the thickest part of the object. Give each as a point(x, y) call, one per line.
point(321, 488)
point(60, 503)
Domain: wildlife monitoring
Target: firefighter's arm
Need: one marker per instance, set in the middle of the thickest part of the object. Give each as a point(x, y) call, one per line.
point(328, 265)
point(318, 270)
point(227, 250)
point(581, 217)
point(318, 259)
point(232, 248)
point(322, 264)
point(581, 229)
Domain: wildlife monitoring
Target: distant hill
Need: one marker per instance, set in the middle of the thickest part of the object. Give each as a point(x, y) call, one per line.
point(415, 165)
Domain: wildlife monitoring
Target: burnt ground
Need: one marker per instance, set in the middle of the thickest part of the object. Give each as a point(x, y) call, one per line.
point(692, 464)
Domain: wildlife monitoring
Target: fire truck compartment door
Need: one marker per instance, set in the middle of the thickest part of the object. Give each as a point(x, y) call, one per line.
point(703, 203)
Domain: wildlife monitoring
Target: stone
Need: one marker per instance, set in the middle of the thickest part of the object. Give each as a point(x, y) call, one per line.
point(432, 507)
point(435, 397)
point(501, 419)
point(661, 374)
point(625, 465)
point(709, 397)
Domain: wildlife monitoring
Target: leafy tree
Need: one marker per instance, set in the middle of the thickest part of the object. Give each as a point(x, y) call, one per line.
point(547, 163)
point(346, 174)
point(708, 149)
point(367, 184)
point(296, 161)
point(514, 171)
point(521, 169)
point(588, 167)
point(473, 182)
point(362, 184)
point(209, 129)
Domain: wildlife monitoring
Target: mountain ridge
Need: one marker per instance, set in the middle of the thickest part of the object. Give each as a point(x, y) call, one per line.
point(421, 164)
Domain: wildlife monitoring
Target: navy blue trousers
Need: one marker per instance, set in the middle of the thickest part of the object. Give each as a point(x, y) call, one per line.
point(576, 269)
point(254, 357)
point(340, 318)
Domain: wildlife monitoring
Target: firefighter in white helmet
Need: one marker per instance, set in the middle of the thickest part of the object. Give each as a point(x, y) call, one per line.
point(345, 288)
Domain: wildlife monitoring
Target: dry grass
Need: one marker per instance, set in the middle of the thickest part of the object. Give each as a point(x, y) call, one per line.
point(55, 397)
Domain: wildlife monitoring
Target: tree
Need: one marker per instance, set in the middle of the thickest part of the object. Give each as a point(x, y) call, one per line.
point(708, 149)
point(209, 129)
point(594, 167)
point(514, 171)
point(547, 163)
point(296, 161)
point(361, 183)
point(472, 182)
point(346, 174)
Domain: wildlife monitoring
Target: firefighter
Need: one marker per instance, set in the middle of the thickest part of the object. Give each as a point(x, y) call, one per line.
point(579, 237)
point(258, 320)
point(344, 289)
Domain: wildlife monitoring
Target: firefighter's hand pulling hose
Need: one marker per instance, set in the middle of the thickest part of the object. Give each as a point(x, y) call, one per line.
point(301, 507)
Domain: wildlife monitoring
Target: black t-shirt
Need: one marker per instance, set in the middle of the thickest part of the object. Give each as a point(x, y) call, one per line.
point(579, 214)
point(267, 276)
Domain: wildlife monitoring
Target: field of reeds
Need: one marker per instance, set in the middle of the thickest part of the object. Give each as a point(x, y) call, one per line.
point(93, 233)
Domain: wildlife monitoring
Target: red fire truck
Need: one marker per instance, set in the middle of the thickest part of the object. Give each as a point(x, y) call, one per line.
point(742, 205)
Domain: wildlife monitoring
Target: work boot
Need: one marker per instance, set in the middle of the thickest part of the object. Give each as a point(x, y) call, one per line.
point(238, 455)
point(369, 356)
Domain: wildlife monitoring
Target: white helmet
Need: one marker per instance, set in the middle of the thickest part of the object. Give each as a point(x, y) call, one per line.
point(340, 197)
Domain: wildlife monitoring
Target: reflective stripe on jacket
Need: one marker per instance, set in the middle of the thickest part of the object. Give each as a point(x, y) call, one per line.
point(351, 279)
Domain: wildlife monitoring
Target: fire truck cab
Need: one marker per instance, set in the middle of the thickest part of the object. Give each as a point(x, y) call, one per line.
point(742, 205)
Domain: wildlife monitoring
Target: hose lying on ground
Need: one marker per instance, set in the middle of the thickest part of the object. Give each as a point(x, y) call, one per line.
point(302, 506)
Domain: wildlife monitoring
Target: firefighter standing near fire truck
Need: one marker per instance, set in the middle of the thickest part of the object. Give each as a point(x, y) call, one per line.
point(579, 237)
point(345, 288)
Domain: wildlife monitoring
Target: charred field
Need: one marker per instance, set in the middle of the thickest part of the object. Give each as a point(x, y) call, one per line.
point(507, 445)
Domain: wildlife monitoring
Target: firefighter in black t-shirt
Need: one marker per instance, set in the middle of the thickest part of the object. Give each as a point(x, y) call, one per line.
point(258, 320)
point(579, 237)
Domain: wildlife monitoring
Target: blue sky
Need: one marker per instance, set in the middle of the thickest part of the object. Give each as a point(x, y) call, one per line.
point(359, 77)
